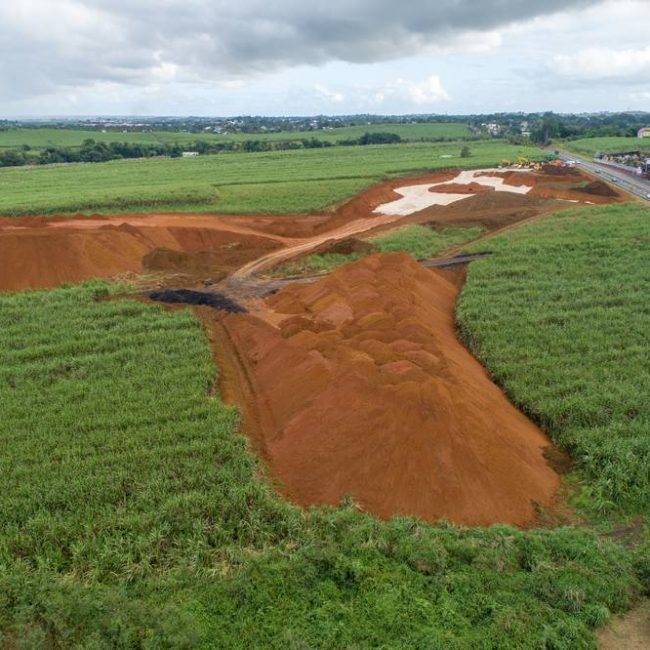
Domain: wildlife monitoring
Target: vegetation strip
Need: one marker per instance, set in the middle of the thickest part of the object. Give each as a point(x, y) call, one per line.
point(277, 182)
point(559, 315)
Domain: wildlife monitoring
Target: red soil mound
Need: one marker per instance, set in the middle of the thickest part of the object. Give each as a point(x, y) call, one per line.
point(364, 390)
point(490, 210)
point(515, 177)
point(58, 252)
point(558, 169)
point(578, 193)
point(456, 188)
point(555, 182)
point(346, 246)
point(598, 188)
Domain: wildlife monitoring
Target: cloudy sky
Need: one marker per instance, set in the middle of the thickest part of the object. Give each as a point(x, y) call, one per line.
point(297, 57)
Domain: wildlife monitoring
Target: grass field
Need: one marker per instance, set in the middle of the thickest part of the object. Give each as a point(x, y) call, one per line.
point(559, 314)
point(419, 241)
point(275, 182)
point(591, 146)
point(134, 516)
point(408, 132)
point(48, 137)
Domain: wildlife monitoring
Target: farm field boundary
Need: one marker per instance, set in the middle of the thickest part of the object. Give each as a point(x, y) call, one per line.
point(278, 182)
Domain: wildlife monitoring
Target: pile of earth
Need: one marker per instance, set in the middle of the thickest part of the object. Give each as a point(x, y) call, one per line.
point(458, 188)
point(489, 210)
point(347, 246)
point(213, 262)
point(599, 188)
point(555, 182)
point(582, 192)
point(551, 169)
point(49, 253)
point(357, 386)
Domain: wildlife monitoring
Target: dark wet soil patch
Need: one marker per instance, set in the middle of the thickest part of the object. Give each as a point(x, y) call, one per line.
point(213, 299)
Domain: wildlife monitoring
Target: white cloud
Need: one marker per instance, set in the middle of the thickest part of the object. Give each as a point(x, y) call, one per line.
point(333, 96)
point(232, 84)
point(470, 42)
point(213, 57)
point(641, 96)
point(596, 63)
point(50, 45)
point(419, 93)
point(429, 91)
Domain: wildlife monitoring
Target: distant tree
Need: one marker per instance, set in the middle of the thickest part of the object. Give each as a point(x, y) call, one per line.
point(313, 143)
point(546, 129)
point(92, 151)
point(379, 138)
point(202, 146)
point(465, 152)
point(12, 158)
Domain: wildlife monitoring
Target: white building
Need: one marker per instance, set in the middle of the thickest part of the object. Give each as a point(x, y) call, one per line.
point(644, 132)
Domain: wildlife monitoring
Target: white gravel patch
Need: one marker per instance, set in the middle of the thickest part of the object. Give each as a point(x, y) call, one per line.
point(418, 197)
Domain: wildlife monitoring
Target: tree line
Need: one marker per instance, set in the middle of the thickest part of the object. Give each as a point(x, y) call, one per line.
point(92, 151)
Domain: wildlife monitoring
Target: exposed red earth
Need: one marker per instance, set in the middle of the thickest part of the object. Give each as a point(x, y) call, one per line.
point(58, 251)
point(45, 252)
point(355, 385)
point(40, 252)
point(362, 388)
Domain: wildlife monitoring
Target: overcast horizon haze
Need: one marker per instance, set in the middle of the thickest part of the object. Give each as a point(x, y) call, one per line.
point(73, 58)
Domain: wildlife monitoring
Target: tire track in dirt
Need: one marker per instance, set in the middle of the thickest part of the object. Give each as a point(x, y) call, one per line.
point(236, 382)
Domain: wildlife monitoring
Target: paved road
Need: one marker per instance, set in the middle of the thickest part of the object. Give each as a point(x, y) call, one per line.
point(625, 180)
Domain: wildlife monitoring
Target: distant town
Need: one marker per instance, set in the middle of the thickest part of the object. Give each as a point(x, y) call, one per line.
point(534, 126)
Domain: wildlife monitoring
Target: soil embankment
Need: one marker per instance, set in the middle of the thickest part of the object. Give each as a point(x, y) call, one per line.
point(362, 389)
point(55, 252)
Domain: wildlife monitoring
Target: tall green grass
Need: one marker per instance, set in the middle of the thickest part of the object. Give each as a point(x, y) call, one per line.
point(560, 315)
point(134, 516)
point(273, 182)
point(40, 138)
point(612, 144)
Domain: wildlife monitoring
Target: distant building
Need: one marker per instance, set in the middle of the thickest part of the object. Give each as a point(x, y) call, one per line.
point(189, 154)
point(492, 128)
point(644, 132)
